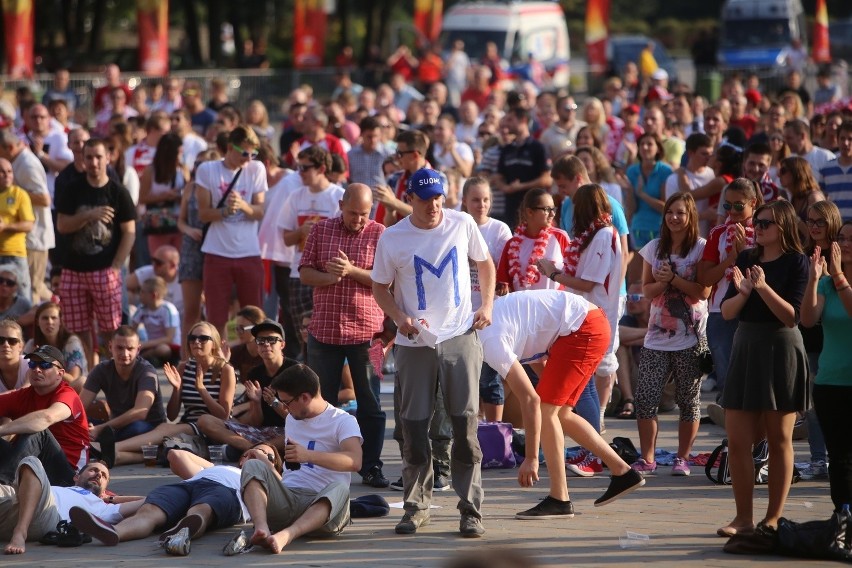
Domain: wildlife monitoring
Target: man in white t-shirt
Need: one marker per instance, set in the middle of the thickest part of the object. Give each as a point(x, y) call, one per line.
point(316, 200)
point(573, 335)
point(797, 135)
point(424, 257)
point(695, 174)
point(323, 448)
point(193, 144)
point(31, 507)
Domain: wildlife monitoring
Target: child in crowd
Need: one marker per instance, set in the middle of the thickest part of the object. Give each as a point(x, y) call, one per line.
point(161, 321)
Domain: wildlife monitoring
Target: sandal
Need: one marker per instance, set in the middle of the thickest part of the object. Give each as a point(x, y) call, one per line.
point(627, 410)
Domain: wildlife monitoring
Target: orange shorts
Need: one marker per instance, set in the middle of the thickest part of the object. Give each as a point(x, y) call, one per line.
point(573, 359)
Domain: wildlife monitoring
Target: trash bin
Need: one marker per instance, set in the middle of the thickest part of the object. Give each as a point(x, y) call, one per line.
point(709, 84)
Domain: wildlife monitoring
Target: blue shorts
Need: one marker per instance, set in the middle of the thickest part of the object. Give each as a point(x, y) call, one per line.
point(491, 386)
point(176, 499)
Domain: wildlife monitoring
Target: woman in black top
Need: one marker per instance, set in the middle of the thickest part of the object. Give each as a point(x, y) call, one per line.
point(767, 378)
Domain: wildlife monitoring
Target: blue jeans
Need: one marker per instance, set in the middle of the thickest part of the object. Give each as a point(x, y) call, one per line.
point(328, 360)
point(589, 405)
point(720, 338)
point(133, 429)
point(491, 386)
point(41, 445)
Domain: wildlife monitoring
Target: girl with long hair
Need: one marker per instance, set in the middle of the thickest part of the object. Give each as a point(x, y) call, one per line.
point(676, 331)
point(535, 238)
point(49, 330)
point(203, 384)
point(798, 179)
point(767, 381)
point(160, 192)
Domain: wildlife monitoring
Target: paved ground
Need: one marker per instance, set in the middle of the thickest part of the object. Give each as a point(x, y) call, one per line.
point(678, 514)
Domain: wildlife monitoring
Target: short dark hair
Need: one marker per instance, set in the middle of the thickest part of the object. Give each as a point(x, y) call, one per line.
point(296, 380)
point(124, 331)
point(369, 123)
point(317, 156)
point(758, 148)
point(569, 167)
point(698, 140)
point(415, 140)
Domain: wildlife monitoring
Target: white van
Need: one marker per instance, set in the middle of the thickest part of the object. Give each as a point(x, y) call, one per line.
point(757, 33)
point(517, 28)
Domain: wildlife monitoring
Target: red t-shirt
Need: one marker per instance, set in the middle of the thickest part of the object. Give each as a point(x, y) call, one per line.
point(71, 433)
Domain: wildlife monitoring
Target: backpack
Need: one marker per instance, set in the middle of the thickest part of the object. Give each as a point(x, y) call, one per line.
point(716, 468)
point(495, 440)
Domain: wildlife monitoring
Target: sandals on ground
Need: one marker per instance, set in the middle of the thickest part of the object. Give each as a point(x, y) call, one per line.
point(627, 410)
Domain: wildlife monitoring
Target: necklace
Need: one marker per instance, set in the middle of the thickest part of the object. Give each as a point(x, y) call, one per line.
point(532, 274)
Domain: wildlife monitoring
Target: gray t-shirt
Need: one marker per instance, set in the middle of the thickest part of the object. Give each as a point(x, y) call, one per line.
point(30, 176)
point(121, 394)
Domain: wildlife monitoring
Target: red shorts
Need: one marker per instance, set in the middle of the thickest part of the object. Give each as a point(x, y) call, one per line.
point(86, 293)
point(573, 359)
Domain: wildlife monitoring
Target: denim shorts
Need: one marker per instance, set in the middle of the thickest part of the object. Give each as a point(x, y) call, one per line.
point(491, 386)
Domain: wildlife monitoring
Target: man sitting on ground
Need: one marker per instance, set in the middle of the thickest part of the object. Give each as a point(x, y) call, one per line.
point(310, 499)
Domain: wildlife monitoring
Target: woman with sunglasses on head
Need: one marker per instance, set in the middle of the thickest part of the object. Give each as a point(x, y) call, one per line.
point(828, 298)
point(767, 381)
point(676, 331)
point(230, 195)
point(823, 222)
point(798, 179)
point(724, 243)
point(535, 239)
point(191, 268)
point(160, 192)
point(203, 384)
point(49, 330)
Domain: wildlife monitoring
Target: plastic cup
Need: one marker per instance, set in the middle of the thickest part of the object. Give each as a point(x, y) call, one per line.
point(149, 454)
point(217, 454)
point(633, 540)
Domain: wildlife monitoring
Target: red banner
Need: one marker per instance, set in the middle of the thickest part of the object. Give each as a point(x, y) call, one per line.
point(153, 23)
point(309, 33)
point(428, 16)
point(18, 24)
point(597, 33)
point(821, 50)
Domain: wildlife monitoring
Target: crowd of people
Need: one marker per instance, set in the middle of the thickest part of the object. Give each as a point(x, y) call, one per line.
point(500, 241)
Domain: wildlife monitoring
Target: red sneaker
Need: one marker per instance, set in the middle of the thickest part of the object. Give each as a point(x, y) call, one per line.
point(586, 468)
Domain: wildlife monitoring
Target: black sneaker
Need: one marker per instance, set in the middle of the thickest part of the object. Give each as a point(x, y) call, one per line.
point(397, 485)
point(375, 478)
point(441, 483)
point(548, 508)
point(621, 485)
point(470, 526)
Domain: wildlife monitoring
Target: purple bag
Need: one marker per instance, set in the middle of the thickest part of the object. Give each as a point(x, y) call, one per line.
point(495, 439)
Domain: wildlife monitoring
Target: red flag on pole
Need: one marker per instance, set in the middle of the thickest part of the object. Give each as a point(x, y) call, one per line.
point(309, 33)
point(428, 16)
point(597, 33)
point(18, 23)
point(152, 18)
point(821, 50)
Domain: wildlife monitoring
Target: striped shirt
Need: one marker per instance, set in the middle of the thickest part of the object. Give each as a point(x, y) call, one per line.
point(193, 405)
point(836, 183)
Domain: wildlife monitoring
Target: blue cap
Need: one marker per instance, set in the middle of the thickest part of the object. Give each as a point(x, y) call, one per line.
point(426, 183)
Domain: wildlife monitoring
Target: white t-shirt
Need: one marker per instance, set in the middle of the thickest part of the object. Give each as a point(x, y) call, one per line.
point(430, 274)
point(304, 205)
point(667, 327)
point(67, 497)
point(30, 175)
point(193, 144)
point(496, 234)
point(234, 236)
point(174, 292)
point(271, 239)
point(601, 263)
point(226, 475)
point(158, 321)
point(818, 158)
point(22, 380)
point(695, 180)
point(444, 160)
point(322, 433)
point(57, 143)
point(524, 326)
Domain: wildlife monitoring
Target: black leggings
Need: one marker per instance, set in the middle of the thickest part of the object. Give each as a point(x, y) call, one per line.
point(832, 405)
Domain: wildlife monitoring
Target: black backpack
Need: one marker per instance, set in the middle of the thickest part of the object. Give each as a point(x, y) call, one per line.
point(719, 474)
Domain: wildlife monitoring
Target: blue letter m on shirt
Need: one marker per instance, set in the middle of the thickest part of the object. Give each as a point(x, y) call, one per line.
point(420, 264)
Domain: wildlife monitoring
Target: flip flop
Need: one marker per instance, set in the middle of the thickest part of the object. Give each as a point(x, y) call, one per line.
point(623, 414)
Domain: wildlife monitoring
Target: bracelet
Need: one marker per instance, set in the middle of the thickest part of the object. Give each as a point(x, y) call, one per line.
point(673, 277)
point(554, 274)
point(112, 499)
point(844, 288)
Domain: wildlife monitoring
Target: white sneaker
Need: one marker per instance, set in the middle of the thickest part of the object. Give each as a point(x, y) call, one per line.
point(815, 470)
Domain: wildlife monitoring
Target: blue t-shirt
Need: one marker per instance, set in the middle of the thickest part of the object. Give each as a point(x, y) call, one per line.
point(619, 222)
point(646, 218)
point(835, 362)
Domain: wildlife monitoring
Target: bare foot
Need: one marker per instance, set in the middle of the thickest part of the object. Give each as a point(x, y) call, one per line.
point(17, 545)
point(277, 542)
point(260, 536)
point(736, 526)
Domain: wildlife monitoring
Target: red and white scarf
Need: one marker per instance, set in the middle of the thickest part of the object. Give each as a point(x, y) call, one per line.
point(572, 255)
point(730, 234)
point(513, 252)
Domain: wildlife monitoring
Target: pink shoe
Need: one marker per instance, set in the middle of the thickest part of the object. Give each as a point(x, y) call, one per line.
point(644, 467)
point(680, 467)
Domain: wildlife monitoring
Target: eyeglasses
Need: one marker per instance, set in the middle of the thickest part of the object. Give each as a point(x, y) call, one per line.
point(9, 341)
point(842, 240)
point(286, 403)
point(821, 223)
point(386, 126)
point(401, 153)
point(245, 153)
point(267, 340)
point(199, 338)
point(8, 282)
point(738, 207)
point(306, 167)
point(763, 223)
point(547, 210)
point(43, 365)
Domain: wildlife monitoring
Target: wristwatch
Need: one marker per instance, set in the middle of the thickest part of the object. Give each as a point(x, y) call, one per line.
point(276, 403)
point(554, 274)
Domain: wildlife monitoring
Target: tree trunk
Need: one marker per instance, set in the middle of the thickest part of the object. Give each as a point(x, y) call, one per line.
point(191, 17)
point(343, 13)
point(370, 11)
point(96, 39)
point(214, 29)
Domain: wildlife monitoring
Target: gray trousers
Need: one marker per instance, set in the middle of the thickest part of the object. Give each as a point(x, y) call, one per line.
point(454, 365)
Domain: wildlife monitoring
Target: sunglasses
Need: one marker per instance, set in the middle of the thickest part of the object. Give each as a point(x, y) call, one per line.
point(821, 223)
point(270, 457)
point(43, 365)
point(8, 282)
point(9, 341)
point(306, 167)
point(738, 207)
point(763, 223)
point(245, 153)
point(199, 338)
point(547, 210)
point(267, 340)
point(570, 107)
point(401, 153)
point(634, 297)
